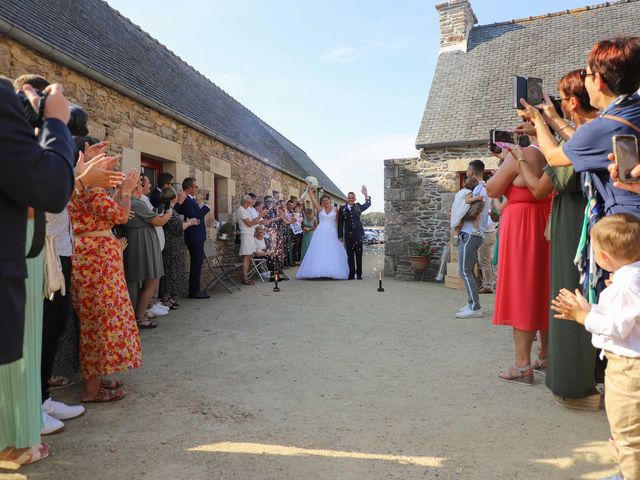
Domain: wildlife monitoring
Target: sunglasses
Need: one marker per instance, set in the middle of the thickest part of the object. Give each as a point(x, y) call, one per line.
point(584, 74)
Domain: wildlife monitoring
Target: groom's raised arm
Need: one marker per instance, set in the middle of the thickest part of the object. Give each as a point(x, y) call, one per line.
point(340, 222)
point(366, 204)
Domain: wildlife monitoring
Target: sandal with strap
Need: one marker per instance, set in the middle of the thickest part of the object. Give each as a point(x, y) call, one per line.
point(521, 375)
point(28, 456)
point(104, 395)
point(111, 384)
point(146, 323)
point(540, 366)
point(58, 381)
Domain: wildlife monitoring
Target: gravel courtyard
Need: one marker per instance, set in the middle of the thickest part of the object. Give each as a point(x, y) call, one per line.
point(327, 380)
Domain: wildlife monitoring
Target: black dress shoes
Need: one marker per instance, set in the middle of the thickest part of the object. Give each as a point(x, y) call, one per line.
point(359, 277)
point(200, 295)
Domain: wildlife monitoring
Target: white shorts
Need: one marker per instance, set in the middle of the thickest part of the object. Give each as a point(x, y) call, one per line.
point(247, 244)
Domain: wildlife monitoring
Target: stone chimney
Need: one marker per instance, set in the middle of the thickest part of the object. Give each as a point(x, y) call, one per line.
point(456, 20)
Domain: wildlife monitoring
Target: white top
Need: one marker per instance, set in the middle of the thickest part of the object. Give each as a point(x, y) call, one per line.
point(242, 214)
point(615, 320)
point(260, 245)
point(59, 227)
point(253, 213)
point(480, 190)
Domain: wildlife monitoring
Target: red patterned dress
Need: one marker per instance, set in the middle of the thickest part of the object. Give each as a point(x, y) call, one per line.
point(109, 338)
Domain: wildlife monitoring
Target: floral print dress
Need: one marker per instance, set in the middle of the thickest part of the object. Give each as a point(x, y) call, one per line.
point(109, 338)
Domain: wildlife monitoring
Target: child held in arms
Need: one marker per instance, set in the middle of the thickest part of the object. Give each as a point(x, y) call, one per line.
point(466, 206)
point(615, 324)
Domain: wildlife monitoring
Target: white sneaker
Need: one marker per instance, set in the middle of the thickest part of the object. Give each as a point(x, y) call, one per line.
point(469, 313)
point(161, 305)
point(158, 311)
point(51, 425)
point(462, 309)
point(61, 411)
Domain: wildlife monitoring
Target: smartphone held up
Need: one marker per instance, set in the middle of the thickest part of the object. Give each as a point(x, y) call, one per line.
point(625, 151)
point(529, 88)
point(499, 139)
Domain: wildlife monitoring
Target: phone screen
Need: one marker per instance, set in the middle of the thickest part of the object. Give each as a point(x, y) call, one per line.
point(625, 149)
point(503, 136)
point(534, 91)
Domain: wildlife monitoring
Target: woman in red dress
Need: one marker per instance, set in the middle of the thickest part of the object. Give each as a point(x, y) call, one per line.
point(109, 339)
point(522, 297)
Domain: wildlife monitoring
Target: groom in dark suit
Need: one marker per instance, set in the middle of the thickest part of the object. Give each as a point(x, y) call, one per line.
point(350, 228)
point(195, 235)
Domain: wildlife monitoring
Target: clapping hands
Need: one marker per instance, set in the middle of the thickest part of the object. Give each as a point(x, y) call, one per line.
point(98, 172)
point(571, 306)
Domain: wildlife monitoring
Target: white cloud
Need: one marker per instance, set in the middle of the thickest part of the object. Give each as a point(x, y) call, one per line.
point(341, 55)
point(372, 48)
point(361, 163)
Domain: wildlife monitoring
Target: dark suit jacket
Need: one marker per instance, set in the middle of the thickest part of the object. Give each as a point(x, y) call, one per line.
point(191, 209)
point(349, 224)
point(38, 175)
point(154, 198)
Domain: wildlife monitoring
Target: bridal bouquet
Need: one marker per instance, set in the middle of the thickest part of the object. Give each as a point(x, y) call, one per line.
point(312, 182)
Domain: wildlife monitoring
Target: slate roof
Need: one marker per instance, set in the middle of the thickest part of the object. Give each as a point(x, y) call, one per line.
point(97, 36)
point(471, 92)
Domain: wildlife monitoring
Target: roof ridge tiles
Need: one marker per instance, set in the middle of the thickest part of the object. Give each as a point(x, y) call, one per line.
point(558, 13)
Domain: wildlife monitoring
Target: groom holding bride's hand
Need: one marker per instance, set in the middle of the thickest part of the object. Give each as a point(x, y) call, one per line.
point(350, 228)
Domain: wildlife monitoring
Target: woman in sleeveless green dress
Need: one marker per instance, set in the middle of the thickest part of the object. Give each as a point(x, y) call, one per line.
point(309, 224)
point(571, 368)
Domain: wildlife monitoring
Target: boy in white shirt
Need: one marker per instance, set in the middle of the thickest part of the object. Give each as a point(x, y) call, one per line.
point(615, 324)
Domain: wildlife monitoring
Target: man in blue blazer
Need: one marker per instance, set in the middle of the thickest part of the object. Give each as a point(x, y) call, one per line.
point(36, 173)
point(195, 235)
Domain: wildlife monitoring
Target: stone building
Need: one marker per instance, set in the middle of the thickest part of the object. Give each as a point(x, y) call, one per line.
point(155, 109)
point(470, 94)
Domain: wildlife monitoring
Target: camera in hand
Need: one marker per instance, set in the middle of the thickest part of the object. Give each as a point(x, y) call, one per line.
point(529, 88)
point(557, 104)
point(34, 118)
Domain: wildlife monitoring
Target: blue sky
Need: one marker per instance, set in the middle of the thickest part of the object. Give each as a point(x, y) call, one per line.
point(345, 80)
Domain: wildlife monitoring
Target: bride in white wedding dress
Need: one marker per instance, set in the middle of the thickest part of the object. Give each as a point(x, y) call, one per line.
point(326, 256)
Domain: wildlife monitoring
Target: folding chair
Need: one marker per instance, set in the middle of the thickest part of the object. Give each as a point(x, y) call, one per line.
point(258, 267)
point(219, 270)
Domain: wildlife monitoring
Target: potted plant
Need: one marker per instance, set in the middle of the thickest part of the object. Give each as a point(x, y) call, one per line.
point(419, 255)
point(226, 231)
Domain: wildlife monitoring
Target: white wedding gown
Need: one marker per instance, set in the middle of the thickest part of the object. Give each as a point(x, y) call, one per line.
point(326, 256)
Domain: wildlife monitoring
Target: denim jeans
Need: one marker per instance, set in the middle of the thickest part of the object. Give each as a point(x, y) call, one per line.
point(468, 246)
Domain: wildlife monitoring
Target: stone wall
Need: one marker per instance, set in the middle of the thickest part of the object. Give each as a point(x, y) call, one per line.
point(418, 194)
point(137, 131)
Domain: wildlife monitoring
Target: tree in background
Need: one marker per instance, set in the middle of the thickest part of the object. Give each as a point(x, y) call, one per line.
point(373, 219)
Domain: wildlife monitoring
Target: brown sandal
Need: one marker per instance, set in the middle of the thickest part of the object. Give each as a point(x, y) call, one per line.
point(104, 395)
point(25, 456)
point(111, 384)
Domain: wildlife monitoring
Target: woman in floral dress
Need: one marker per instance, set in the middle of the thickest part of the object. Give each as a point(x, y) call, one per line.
point(109, 339)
